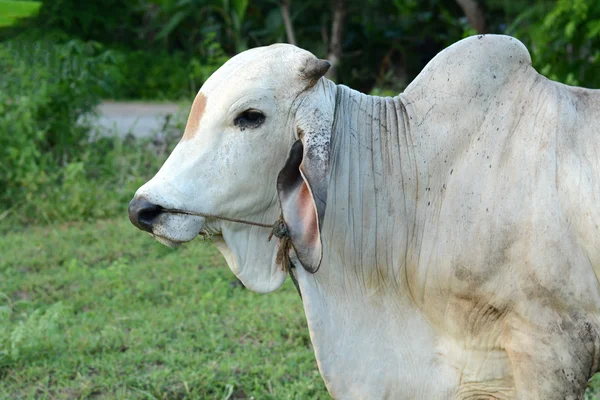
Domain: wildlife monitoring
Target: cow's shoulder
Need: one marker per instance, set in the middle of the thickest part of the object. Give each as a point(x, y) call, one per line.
point(473, 67)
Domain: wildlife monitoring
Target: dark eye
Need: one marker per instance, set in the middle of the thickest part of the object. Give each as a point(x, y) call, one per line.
point(249, 119)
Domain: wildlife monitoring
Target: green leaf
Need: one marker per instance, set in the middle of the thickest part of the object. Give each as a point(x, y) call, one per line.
point(240, 7)
point(11, 11)
point(173, 23)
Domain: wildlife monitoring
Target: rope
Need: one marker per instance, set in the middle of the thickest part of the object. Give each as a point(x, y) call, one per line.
point(199, 214)
point(278, 229)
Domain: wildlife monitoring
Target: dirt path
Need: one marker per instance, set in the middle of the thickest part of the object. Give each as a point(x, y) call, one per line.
point(138, 118)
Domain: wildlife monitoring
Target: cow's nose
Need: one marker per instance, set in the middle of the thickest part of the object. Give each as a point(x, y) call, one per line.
point(142, 213)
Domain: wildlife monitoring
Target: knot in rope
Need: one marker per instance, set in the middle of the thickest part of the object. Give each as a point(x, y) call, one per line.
point(283, 252)
point(279, 229)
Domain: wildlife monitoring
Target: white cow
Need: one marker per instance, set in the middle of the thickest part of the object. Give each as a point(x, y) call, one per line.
point(449, 237)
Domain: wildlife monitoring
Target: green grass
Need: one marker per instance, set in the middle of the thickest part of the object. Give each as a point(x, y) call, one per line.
point(100, 310)
point(11, 10)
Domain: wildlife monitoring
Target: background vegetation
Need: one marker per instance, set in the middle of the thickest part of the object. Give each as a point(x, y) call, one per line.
point(87, 313)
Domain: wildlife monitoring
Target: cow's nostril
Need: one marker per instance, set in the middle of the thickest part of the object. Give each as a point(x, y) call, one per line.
point(148, 215)
point(142, 213)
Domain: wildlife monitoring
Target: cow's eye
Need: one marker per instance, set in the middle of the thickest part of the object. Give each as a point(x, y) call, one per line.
point(249, 119)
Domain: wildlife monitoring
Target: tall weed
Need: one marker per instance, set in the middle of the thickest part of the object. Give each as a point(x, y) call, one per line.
point(35, 334)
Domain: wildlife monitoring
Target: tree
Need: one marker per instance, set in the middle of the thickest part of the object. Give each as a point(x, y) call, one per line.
point(337, 31)
point(474, 14)
point(285, 14)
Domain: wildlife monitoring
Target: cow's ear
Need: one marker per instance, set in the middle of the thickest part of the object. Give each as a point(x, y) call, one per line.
point(303, 195)
point(302, 183)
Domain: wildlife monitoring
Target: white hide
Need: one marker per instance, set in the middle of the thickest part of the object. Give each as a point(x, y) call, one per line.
point(461, 240)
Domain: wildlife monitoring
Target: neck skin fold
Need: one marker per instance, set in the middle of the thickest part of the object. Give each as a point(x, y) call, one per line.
point(371, 196)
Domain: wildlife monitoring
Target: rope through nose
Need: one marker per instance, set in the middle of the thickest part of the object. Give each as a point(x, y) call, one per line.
point(214, 216)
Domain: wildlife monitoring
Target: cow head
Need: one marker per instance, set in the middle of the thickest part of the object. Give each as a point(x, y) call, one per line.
point(260, 108)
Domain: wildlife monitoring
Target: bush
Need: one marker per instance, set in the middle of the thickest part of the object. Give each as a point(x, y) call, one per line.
point(563, 38)
point(44, 91)
point(97, 184)
point(112, 22)
point(158, 75)
point(50, 168)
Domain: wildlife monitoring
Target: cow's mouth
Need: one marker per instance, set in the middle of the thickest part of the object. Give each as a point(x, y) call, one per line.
point(175, 229)
point(167, 242)
point(205, 235)
point(175, 226)
point(165, 237)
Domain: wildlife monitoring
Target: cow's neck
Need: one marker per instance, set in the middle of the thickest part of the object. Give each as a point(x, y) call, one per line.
point(359, 308)
point(371, 197)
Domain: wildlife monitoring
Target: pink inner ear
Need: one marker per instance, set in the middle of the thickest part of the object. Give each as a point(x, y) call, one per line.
point(307, 215)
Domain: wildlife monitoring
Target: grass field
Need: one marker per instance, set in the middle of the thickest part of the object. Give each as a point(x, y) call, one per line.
point(100, 310)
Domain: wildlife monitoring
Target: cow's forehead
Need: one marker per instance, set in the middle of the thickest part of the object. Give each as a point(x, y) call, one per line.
point(259, 67)
point(249, 75)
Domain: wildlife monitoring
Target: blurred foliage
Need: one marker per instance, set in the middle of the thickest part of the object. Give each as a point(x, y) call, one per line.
point(170, 46)
point(44, 91)
point(50, 169)
point(160, 75)
point(11, 10)
point(564, 40)
point(56, 67)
